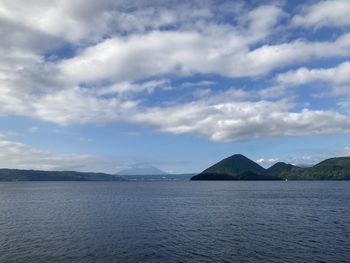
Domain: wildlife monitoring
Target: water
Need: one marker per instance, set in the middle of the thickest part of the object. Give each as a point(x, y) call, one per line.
point(175, 222)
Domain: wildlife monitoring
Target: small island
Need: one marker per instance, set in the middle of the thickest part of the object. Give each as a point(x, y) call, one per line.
point(239, 167)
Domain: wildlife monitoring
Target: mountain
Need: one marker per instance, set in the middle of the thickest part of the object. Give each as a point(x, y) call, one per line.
point(142, 170)
point(37, 175)
point(331, 169)
point(235, 167)
point(161, 177)
point(239, 167)
point(282, 169)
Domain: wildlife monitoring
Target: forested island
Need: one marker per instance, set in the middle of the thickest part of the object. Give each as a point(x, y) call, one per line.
point(239, 167)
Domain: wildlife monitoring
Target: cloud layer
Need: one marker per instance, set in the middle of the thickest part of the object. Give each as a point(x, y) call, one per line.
point(21, 156)
point(91, 62)
point(329, 13)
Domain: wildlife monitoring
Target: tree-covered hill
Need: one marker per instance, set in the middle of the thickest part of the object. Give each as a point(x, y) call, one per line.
point(238, 167)
point(235, 167)
point(330, 169)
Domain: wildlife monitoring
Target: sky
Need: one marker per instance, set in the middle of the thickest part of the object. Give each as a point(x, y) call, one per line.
point(105, 85)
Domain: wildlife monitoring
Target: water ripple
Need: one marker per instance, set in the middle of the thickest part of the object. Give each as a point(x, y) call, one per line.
point(175, 222)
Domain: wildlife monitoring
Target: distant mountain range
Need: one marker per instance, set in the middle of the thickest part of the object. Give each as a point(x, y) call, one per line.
point(235, 167)
point(239, 167)
point(8, 175)
point(36, 175)
point(142, 170)
point(151, 173)
point(160, 177)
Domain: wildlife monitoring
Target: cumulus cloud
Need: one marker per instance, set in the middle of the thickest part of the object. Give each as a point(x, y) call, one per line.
point(91, 21)
point(268, 57)
point(229, 120)
point(66, 106)
point(152, 54)
point(191, 52)
point(204, 47)
point(82, 18)
point(137, 48)
point(337, 75)
point(324, 13)
point(79, 106)
point(335, 81)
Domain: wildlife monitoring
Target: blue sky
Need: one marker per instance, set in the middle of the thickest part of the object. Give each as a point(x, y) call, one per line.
point(106, 85)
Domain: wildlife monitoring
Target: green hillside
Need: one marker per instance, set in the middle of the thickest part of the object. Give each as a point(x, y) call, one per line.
point(330, 169)
point(283, 170)
point(235, 167)
point(238, 167)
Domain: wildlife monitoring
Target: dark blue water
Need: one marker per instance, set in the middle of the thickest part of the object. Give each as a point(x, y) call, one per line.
point(175, 222)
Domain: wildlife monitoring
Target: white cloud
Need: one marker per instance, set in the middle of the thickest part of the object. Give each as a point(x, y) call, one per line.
point(324, 13)
point(337, 75)
point(21, 156)
point(269, 57)
point(129, 87)
point(202, 83)
point(79, 106)
point(127, 57)
point(273, 92)
point(335, 81)
point(59, 104)
point(233, 120)
point(158, 52)
point(261, 20)
point(53, 18)
point(232, 115)
point(204, 47)
point(148, 55)
point(267, 162)
point(90, 21)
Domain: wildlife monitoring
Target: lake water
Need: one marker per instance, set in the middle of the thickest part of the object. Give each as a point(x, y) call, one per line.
point(175, 222)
